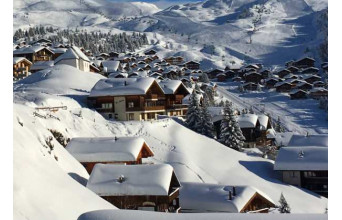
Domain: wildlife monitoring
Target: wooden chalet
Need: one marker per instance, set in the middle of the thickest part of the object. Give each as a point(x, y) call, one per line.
point(138, 187)
point(150, 52)
point(311, 78)
point(21, 67)
point(221, 77)
point(237, 79)
point(253, 77)
point(93, 68)
point(249, 86)
point(174, 91)
point(192, 65)
point(298, 94)
point(305, 166)
point(283, 87)
point(108, 150)
point(304, 86)
point(174, 60)
point(319, 84)
point(229, 74)
point(213, 73)
point(318, 92)
point(137, 98)
point(34, 53)
point(224, 199)
point(293, 69)
point(282, 73)
point(310, 70)
point(43, 41)
point(304, 63)
point(113, 54)
point(269, 83)
point(265, 74)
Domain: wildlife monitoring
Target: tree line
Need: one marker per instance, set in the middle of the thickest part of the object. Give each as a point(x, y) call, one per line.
point(95, 41)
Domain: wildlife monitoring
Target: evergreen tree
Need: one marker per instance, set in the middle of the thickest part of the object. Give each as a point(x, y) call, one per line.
point(231, 134)
point(204, 78)
point(278, 127)
point(283, 207)
point(207, 125)
point(193, 115)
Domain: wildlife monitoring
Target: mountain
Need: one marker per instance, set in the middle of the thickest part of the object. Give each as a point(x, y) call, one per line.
point(73, 13)
point(240, 31)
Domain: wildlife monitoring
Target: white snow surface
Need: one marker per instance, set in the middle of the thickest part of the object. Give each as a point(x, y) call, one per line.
point(105, 149)
point(142, 179)
point(133, 215)
point(302, 158)
point(194, 157)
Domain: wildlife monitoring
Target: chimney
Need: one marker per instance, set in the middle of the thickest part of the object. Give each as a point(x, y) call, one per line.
point(230, 195)
point(115, 138)
point(234, 191)
point(125, 83)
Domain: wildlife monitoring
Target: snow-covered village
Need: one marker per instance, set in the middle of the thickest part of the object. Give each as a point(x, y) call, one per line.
point(212, 109)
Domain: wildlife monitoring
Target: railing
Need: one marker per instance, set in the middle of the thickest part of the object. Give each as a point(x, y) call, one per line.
point(152, 96)
point(146, 108)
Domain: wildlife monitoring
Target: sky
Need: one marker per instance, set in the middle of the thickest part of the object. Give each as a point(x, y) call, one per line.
point(161, 3)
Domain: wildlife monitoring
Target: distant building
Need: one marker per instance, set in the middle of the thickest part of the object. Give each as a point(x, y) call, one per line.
point(150, 52)
point(298, 94)
point(305, 167)
point(34, 53)
point(76, 58)
point(139, 187)
point(108, 150)
point(304, 63)
point(192, 65)
point(174, 60)
point(21, 67)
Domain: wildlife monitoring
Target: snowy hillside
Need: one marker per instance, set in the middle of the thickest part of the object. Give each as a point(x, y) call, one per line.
point(50, 172)
point(73, 13)
point(267, 31)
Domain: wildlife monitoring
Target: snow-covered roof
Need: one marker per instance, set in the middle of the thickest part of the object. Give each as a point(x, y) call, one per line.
point(138, 180)
point(170, 86)
point(72, 53)
point(302, 158)
point(122, 86)
point(204, 197)
point(247, 120)
point(318, 89)
point(106, 149)
point(40, 65)
point(111, 65)
point(59, 50)
point(117, 73)
point(30, 49)
point(294, 91)
point(263, 120)
point(19, 59)
point(318, 140)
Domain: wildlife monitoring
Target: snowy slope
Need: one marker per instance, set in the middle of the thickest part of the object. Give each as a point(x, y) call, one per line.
point(194, 158)
point(73, 13)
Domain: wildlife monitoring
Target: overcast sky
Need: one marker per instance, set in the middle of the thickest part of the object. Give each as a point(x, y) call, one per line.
point(161, 3)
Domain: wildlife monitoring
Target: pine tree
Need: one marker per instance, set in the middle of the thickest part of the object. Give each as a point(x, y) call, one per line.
point(204, 78)
point(278, 127)
point(207, 125)
point(193, 115)
point(231, 134)
point(283, 207)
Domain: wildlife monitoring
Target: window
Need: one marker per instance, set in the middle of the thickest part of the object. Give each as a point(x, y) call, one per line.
point(130, 116)
point(110, 116)
point(292, 174)
point(131, 105)
point(107, 105)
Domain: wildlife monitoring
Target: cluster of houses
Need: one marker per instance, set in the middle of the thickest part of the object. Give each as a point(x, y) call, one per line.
point(300, 79)
point(304, 163)
point(119, 174)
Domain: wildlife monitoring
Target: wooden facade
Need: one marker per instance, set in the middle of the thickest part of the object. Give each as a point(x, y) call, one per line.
point(144, 153)
point(257, 204)
point(21, 68)
point(42, 55)
point(300, 94)
point(253, 77)
point(192, 65)
point(174, 60)
point(304, 63)
point(285, 87)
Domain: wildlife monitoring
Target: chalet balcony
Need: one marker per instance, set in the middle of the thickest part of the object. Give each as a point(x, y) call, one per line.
point(176, 106)
point(146, 108)
point(152, 97)
point(104, 110)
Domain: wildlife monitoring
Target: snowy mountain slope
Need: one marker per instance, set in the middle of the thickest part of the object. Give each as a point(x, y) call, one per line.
point(195, 158)
point(298, 116)
point(269, 31)
point(74, 13)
